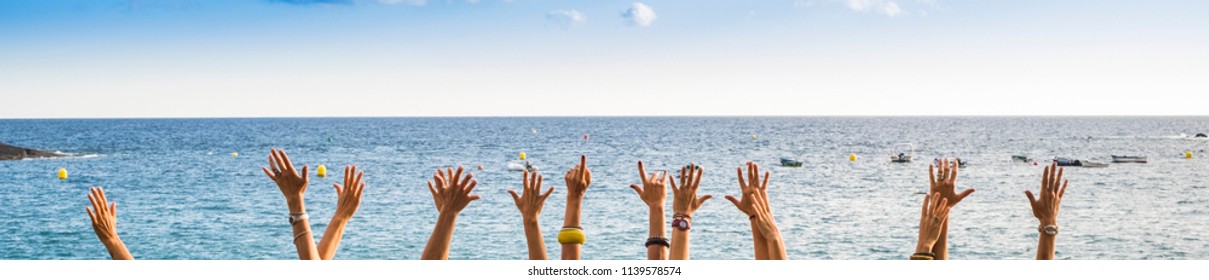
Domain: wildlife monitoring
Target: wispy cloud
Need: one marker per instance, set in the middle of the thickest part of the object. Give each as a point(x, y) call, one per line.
point(639, 14)
point(313, 2)
point(407, 2)
point(887, 8)
point(566, 18)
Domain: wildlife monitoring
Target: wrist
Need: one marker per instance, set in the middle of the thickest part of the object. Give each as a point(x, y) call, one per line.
point(529, 221)
point(295, 203)
point(1048, 221)
point(923, 247)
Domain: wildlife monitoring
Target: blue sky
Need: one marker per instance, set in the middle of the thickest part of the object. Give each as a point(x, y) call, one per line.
point(186, 58)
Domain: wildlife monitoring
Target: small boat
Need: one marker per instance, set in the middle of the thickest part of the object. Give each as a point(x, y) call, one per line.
point(1068, 162)
point(904, 152)
point(1087, 163)
point(1128, 159)
point(960, 162)
point(521, 166)
point(788, 162)
point(1201, 135)
point(1021, 158)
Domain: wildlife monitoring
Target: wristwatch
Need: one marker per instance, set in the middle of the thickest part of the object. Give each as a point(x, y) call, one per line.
point(1048, 229)
point(681, 221)
point(297, 217)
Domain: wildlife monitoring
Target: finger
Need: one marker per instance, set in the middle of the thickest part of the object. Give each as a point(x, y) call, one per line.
point(538, 186)
point(470, 188)
point(1058, 179)
point(338, 189)
point(932, 174)
point(473, 197)
point(360, 187)
point(703, 199)
point(923, 213)
point(457, 177)
point(696, 178)
point(266, 172)
point(764, 186)
point(515, 198)
point(113, 209)
point(92, 217)
point(964, 193)
point(272, 165)
point(1045, 180)
point(524, 179)
point(1031, 199)
point(672, 183)
point(584, 174)
point(289, 165)
point(548, 193)
point(305, 172)
point(465, 181)
point(431, 189)
point(637, 189)
point(954, 167)
point(742, 183)
point(1062, 192)
point(359, 182)
point(642, 172)
point(684, 176)
point(944, 202)
point(734, 201)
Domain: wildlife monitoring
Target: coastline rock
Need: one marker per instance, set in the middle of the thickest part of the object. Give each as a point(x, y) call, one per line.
point(15, 153)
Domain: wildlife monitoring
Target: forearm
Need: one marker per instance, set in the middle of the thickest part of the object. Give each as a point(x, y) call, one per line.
point(117, 249)
point(304, 241)
point(776, 248)
point(442, 234)
point(680, 241)
point(759, 242)
point(1045, 247)
point(658, 229)
point(572, 251)
point(941, 248)
point(533, 237)
point(331, 238)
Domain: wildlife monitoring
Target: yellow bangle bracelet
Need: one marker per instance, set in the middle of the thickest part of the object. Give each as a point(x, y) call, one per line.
point(571, 236)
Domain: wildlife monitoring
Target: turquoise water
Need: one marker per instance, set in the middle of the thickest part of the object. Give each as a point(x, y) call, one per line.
point(181, 195)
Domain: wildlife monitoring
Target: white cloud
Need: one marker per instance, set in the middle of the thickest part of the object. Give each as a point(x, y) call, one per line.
point(408, 2)
point(890, 9)
point(639, 14)
point(887, 8)
point(566, 18)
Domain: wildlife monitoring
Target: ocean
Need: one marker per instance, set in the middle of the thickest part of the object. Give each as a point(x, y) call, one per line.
point(182, 195)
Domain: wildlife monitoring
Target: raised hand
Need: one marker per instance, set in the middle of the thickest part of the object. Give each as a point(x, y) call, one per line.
point(348, 198)
point(349, 194)
point(945, 182)
point(293, 186)
point(1052, 190)
point(1045, 208)
point(578, 179)
point(749, 187)
point(451, 193)
point(281, 170)
point(530, 204)
point(653, 190)
point(754, 203)
point(104, 216)
point(931, 219)
point(685, 200)
point(531, 200)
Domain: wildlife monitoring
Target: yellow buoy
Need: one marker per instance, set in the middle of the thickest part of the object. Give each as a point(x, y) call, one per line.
point(753, 136)
point(1188, 154)
point(322, 170)
point(234, 154)
point(62, 173)
point(522, 155)
point(851, 157)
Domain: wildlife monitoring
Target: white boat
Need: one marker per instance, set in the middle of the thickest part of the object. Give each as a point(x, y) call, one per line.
point(521, 166)
point(1128, 159)
point(904, 151)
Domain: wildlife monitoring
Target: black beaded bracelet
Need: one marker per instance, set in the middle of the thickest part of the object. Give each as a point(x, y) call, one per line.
point(658, 240)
